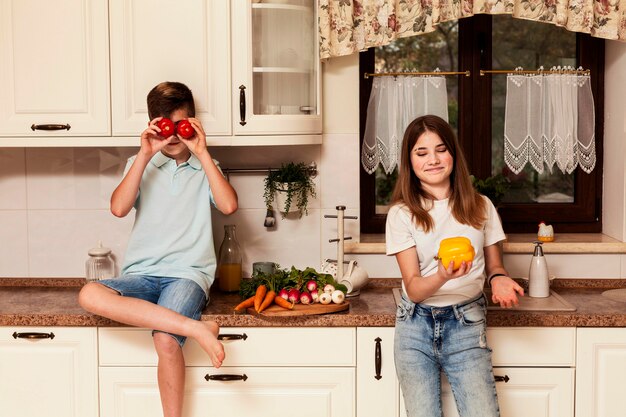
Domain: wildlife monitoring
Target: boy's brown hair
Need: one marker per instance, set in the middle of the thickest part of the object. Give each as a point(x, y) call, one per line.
point(169, 96)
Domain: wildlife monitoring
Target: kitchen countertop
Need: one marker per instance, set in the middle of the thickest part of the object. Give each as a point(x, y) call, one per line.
point(53, 302)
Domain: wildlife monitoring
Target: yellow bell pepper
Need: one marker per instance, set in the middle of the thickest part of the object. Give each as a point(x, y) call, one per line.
point(457, 249)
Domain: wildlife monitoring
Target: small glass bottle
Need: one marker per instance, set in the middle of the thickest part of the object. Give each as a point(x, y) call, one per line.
point(229, 261)
point(100, 264)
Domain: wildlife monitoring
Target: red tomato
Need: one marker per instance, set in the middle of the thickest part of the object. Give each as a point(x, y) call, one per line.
point(166, 126)
point(185, 129)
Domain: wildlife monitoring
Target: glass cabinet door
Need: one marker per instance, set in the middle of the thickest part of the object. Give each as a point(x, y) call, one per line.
point(276, 70)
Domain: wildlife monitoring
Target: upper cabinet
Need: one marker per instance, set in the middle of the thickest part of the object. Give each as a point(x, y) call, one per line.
point(276, 70)
point(155, 41)
point(253, 68)
point(54, 68)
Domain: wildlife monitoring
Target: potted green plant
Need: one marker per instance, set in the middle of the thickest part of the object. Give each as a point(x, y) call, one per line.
point(494, 187)
point(290, 186)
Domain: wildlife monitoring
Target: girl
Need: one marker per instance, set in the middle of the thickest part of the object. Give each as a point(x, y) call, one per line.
point(440, 325)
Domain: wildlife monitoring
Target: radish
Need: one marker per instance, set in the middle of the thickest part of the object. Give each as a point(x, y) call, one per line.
point(311, 285)
point(329, 288)
point(326, 298)
point(294, 296)
point(305, 297)
point(283, 294)
point(315, 295)
point(337, 296)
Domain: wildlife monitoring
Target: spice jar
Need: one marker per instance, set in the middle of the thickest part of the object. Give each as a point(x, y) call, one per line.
point(100, 264)
point(229, 261)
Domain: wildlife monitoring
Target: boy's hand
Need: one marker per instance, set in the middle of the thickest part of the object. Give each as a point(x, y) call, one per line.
point(196, 143)
point(151, 142)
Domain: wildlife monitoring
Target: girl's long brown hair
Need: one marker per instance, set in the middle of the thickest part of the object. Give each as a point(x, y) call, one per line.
point(467, 205)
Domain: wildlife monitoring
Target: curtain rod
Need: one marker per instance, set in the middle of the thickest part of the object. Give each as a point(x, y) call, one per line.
point(396, 74)
point(557, 71)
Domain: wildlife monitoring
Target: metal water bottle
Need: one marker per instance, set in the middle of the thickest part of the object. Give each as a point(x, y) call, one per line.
point(538, 277)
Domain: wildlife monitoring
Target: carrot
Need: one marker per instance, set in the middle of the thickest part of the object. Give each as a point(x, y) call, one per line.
point(283, 303)
point(245, 304)
point(259, 296)
point(269, 299)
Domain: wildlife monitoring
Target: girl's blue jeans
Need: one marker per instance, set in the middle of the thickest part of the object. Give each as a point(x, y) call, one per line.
point(430, 340)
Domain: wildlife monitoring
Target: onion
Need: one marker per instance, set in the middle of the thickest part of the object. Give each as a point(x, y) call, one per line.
point(325, 298)
point(337, 296)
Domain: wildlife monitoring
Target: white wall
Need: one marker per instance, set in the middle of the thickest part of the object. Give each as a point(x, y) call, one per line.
point(54, 202)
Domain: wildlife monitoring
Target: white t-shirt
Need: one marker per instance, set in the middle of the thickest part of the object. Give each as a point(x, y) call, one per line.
point(402, 233)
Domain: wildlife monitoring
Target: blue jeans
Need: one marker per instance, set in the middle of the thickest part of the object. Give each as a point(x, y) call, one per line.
point(451, 339)
point(181, 295)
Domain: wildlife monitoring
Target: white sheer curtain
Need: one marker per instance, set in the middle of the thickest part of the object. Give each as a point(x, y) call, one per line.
point(549, 119)
point(394, 102)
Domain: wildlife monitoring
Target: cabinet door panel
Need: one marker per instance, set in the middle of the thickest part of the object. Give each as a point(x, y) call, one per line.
point(378, 394)
point(267, 392)
point(56, 73)
point(600, 370)
point(52, 377)
point(168, 40)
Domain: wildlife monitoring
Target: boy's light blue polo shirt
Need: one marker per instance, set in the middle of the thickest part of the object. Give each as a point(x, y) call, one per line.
point(172, 235)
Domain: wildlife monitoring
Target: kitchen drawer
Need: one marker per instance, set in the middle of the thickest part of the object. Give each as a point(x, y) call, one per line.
point(532, 346)
point(265, 392)
point(300, 346)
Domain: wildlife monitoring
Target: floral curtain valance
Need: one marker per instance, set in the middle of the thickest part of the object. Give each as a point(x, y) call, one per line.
point(348, 26)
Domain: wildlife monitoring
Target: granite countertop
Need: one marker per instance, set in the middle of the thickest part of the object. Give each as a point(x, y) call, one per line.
point(53, 302)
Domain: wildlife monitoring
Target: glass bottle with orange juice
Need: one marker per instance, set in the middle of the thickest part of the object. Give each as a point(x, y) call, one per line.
point(229, 261)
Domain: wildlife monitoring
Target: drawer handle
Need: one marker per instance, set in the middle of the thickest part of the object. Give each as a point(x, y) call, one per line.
point(226, 377)
point(242, 104)
point(33, 335)
point(378, 358)
point(232, 336)
point(504, 378)
point(50, 127)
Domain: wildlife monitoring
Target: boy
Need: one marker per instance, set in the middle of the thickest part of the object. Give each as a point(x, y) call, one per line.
point(170, 262)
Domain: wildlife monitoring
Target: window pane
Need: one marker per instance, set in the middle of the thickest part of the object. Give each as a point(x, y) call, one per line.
point(423, 53)
point(522, 43)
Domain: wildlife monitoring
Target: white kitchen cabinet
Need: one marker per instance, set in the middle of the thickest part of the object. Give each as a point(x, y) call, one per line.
point(54, 69)
point(276, 69)
point(600, 370)
point(268, 371)
point(168, 40)
point(48, 372)
point(378, 390)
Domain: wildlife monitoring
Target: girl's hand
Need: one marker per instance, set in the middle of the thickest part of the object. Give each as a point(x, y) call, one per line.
point(196, 143)
point(504, 291)
point(448, 273)
point(151, 142)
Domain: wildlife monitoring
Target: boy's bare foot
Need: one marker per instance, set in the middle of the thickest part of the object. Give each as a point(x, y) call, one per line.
point(207, 338)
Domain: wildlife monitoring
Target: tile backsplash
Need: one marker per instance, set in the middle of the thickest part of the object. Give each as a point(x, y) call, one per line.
point(54, 206)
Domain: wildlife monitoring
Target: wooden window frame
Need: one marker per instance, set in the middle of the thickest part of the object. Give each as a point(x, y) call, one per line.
point(584, 215)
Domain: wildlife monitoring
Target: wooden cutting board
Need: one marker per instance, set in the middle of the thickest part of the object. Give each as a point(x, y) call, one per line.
point(302, 309)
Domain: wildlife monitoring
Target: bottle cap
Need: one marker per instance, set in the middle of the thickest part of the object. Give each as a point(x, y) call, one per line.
point(99, 251)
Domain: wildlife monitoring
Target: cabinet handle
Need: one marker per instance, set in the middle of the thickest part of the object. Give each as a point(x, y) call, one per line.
point(226, 377)
point(242, 105)
point(232, 336)
point(378, 358)
point(50, 127)
point(33, 335)
point(504, 378)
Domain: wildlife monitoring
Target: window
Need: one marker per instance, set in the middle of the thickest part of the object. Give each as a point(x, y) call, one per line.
point(476, 110)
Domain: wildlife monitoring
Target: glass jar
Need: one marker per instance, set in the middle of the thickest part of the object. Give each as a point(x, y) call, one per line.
point(100, 264)
point(229, 261)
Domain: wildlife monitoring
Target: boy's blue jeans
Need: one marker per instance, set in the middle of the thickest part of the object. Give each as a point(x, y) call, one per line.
point(451, 339)
point(181, 295)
